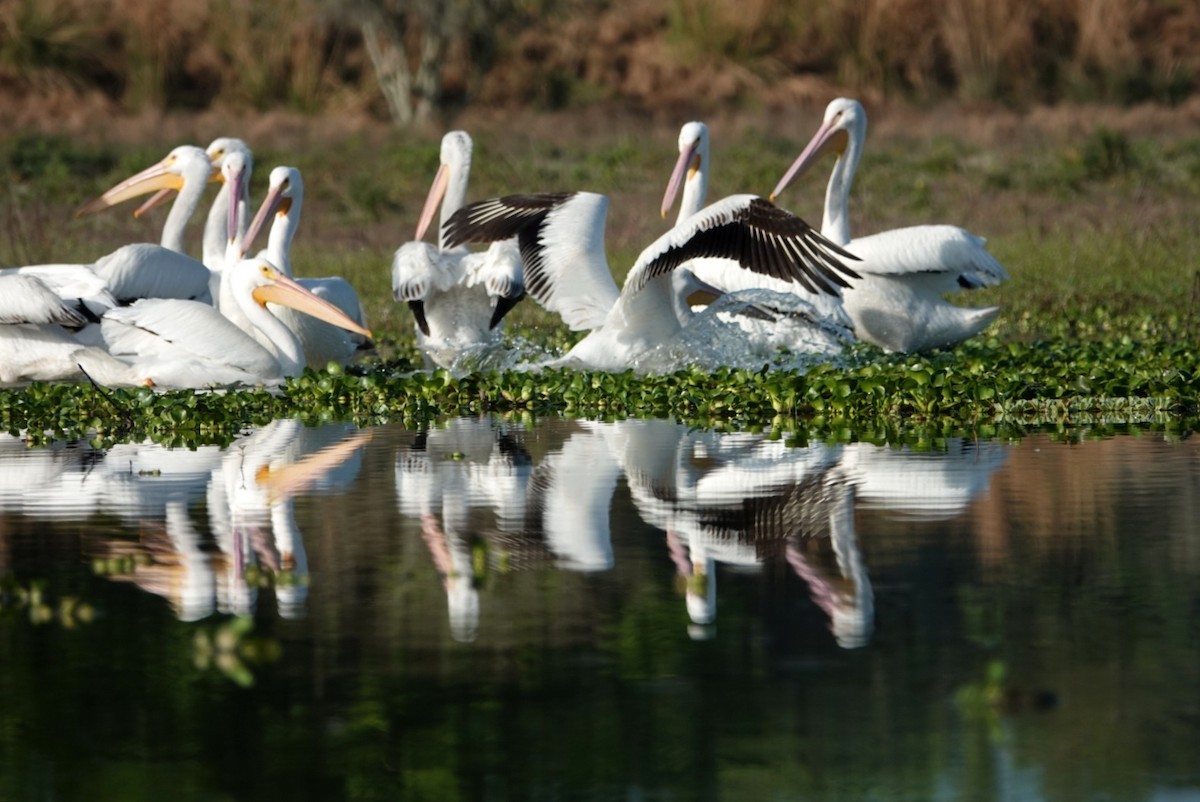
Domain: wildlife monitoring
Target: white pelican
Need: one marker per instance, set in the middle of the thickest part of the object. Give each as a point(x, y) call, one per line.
point(322, 342)
point(458, 299)
point(814, 318)
point(35, 346)
point(189, 344)
point(561, 238)
point(144, 270)
point(216, 225)
point(898, 305)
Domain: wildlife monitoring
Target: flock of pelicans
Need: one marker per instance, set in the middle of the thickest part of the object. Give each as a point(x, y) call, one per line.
point(152, 315)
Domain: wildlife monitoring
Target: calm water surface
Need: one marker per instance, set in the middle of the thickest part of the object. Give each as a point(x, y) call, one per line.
point(594, 611)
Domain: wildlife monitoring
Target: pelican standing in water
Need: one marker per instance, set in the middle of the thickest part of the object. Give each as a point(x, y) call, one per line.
point(561, 240)
point(898, 305)
point(458, 299)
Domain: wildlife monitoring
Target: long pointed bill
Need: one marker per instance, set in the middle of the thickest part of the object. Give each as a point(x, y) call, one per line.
point(233, 185)
point(286, 292)
point(683, 166)
point(156, 200)
point(436, 192)
point(152, 179)
point(272, 203)
point(826, 138)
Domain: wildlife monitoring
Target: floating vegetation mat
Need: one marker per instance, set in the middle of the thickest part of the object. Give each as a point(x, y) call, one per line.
point(978, 386)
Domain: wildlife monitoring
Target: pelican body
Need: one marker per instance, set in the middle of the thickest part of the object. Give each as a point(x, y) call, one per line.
point(898, 305)
point(561, 241)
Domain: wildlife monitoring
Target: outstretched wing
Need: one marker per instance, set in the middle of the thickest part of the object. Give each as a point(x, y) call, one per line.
point(560, 236)
point(756, 233)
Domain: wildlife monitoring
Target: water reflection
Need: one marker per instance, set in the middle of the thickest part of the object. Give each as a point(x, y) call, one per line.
point(576, 599)
point(723, 502)
point(200, 566)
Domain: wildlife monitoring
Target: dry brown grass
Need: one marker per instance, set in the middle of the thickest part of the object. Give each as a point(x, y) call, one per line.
point(133, 55)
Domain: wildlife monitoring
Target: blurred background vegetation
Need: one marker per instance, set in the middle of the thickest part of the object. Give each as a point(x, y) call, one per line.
point(413, 60)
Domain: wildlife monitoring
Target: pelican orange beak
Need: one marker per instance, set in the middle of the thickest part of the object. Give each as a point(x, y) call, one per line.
point(279, 289)
point(274, 203)
point(831, 136)
point(152, 179)
point(687, 164)
point(286, 481)
point(437, 191)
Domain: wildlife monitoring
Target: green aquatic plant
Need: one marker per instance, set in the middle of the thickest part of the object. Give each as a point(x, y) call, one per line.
point(33, 599)
point(986, 382)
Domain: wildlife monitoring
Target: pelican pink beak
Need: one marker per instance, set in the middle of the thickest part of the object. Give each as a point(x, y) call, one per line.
point(157, 199)
point(437, 191)
point(279, 289)
point(233, 173)
point(830, 136)
point(687, 164)
point(274, 203)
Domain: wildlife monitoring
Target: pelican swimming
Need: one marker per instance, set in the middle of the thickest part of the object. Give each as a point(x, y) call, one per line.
point(819, 314)
point(458, 298)
point(192, 345)
point(561, 239)
point(322, 342)
point(898, 305)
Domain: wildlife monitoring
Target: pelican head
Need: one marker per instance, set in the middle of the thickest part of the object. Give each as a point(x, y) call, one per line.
point(845, 122)
point(264, 283)
point(222, 146)
point(455, 161)
point(693, 155)
point(169, 174)
point(216, 151)
point(284, 185)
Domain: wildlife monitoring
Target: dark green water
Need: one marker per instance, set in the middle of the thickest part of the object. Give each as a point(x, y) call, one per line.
point(585, 611)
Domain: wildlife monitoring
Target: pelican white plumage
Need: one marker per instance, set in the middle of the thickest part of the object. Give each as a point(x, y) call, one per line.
point(189, 344)
point(36, 346)
point(216, 233)
point(561, 240)
point(322, 342)
point(898, 305)
point(815, 319)
point(458, 298)
point(145, 270)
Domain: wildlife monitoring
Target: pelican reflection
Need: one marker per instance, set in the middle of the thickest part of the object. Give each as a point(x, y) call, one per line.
point(208, 564)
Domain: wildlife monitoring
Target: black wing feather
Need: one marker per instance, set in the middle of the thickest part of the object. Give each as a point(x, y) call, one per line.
point(767, 240)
